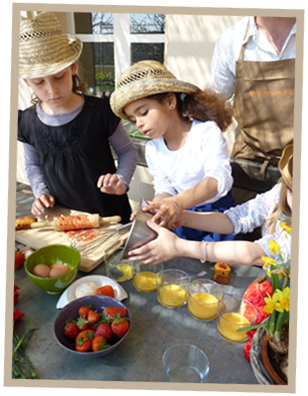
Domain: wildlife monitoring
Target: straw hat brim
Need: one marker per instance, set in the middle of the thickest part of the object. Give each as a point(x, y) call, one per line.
point(48, 67)
point(140, 89)
point(286, 165)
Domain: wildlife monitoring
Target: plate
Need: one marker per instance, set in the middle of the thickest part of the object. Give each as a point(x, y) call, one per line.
point(69, 294)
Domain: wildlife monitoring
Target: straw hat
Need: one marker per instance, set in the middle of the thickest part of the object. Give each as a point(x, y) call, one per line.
point(286, 165)
point(44, 47)
point(144, 79)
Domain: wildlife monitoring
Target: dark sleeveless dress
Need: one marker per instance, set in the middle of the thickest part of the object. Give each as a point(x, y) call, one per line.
point(74, 155)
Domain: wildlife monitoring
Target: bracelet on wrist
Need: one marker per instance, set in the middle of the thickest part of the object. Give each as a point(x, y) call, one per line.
point(175, 205)
point(204, 249)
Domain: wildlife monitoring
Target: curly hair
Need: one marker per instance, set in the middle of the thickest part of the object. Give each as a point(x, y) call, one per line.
point(203, 106)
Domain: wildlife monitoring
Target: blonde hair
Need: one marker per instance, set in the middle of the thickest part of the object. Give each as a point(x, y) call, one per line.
point(281, 209)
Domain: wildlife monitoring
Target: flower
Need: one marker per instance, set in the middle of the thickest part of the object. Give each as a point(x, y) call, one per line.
point(16, 294)
point(285, 227)
point(17, 314)
point(274, 247)
point(277, 300)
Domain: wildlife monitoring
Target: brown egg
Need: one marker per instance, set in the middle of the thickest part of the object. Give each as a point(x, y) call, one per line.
point(58, 270)
point(41, 270)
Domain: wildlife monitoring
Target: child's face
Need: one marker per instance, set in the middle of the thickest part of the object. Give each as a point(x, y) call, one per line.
point(54, 91)
point(151, 117)
point(289, 198)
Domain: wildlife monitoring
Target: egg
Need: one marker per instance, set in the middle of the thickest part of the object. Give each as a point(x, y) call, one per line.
point(58, 270)
point(41, 270)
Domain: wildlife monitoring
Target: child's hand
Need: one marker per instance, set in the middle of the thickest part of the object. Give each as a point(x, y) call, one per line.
point(163, 248)
point(167, 212)
point(111, 184)
point(42, 202)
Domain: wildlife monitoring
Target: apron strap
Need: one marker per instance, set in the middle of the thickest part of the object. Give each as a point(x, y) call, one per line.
point(243, 45)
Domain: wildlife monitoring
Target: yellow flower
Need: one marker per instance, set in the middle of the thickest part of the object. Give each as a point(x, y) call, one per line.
point(272, 303)
point(285, 227)
point(268, 261)
point(274, 247)
point(285, 300)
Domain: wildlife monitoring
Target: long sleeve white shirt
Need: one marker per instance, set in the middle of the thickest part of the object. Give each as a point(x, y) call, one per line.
point(204, 154)
point(258, 48)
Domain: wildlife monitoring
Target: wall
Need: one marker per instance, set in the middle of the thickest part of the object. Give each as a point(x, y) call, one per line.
point(190, 41)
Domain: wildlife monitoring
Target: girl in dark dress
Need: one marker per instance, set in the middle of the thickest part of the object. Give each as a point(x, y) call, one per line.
point(66, 133)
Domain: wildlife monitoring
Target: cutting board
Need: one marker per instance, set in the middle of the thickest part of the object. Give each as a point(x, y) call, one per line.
point(37, 238)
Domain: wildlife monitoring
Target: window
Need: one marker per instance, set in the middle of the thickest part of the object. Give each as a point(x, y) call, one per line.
point(112, 42)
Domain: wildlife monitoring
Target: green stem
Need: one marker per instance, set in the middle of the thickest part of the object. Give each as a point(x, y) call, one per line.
point(271, 323)
point(17, 371)
point(248, 328)
point(21, 340)
point(281, 318)
point(33, 374)
point(275, 280)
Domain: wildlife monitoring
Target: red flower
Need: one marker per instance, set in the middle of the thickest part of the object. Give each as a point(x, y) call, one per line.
point(247, 348)
point(17, 314)
point(16, 294)
point(255, 294)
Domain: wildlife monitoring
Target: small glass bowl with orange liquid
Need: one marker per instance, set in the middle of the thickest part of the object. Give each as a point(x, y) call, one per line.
point(234, 313)
point(203, 298)
point(172, 287)
point(144, 276)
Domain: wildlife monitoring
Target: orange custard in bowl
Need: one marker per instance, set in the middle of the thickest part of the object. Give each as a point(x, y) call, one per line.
point(145, 281)
point(229, 323)
point(202, 305)
point(172, 296)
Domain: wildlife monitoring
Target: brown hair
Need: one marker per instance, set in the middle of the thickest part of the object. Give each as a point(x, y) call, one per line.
point(203, 106)
point(78, 87)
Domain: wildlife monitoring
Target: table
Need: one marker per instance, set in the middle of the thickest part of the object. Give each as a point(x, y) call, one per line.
point(154, 328)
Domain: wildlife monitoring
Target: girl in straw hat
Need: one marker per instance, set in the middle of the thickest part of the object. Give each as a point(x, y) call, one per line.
point(67, 134)
point(187, 156)
point(272, 210)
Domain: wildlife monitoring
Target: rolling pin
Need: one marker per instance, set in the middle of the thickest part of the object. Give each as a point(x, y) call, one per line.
point(67, 223)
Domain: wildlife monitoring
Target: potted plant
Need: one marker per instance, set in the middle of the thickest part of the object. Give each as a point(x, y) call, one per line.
point(273, 332)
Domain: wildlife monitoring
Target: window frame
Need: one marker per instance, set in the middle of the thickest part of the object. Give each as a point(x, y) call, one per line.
point(121, 37)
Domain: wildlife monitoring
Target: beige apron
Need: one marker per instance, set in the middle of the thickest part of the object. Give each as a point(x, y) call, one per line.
point(263, 108)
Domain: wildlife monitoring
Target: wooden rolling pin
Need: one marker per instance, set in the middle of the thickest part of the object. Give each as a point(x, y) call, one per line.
point(67, 223)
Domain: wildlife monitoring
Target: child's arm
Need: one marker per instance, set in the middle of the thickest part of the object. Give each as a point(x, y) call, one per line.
point(168, 208)
point(43, 199)
point(167, 246)
point(118, 183)
point(215, 222)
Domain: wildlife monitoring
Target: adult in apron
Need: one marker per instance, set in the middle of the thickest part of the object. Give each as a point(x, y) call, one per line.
point(264, 109)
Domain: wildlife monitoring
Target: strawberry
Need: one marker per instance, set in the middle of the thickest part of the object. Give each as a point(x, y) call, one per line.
point(82, 323)
point(71, 330)
point(104, 330)
point(19, 259)
point(93, 316)
point(119, 327)
point(83, 345)
point(110, 313)
point(106, 290)
point(85, 334)
point(99, 343)
point(84, 310)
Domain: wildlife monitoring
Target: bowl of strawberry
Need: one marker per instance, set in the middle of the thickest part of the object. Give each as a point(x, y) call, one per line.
point(92, 325)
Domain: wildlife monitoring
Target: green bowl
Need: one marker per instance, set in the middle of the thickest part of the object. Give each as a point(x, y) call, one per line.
point(49, 255)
